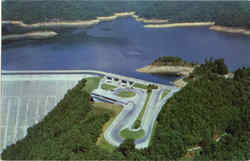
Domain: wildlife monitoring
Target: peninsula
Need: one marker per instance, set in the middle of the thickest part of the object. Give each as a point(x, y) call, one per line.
point(168, 65)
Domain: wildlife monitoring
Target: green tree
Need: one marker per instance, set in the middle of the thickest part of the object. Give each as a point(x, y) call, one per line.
point(221, 67)
point(126, 147)
point(241, 73)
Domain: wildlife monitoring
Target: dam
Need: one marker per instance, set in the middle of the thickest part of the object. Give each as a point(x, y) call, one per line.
point(28, 96)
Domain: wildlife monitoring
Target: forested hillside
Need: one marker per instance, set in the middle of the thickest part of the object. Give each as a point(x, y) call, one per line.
point(234, 18)
point(224, 13)
point(210, 106)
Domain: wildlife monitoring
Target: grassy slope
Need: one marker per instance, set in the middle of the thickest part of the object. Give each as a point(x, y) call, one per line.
point(144, 107)
point(165, 93)
point(126, 134)
point(138, 120)
point(153, 132)
point(114, 110)
point(92, 84)
point(108, 87)
point(142, 86)
point(126, 94)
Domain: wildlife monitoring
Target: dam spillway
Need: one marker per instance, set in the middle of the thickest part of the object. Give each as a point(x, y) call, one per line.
point(27, 98)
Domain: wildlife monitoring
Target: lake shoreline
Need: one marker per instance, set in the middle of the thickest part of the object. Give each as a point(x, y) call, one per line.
point(169, 70)
point(30, 35)
point(233, 30)
point(83, 23)
point(148, 23)
point(184, 24)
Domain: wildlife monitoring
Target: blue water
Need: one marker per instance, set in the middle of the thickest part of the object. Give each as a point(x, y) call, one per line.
point(123, 45)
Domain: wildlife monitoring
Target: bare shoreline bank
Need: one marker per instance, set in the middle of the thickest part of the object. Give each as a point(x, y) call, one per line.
point(230, 30)
point(184, 24)
point(171, 70)
point(196, 24)
point(31, 35)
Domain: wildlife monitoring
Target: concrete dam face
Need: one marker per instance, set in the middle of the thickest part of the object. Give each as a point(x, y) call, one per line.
point(27, 98)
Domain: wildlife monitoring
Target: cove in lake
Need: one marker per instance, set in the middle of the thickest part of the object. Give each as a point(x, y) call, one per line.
point(123, 45)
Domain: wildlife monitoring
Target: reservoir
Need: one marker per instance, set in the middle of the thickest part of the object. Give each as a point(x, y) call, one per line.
point(123, 45)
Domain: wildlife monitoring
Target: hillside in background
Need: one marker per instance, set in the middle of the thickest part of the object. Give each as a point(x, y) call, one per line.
point(235, 14)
